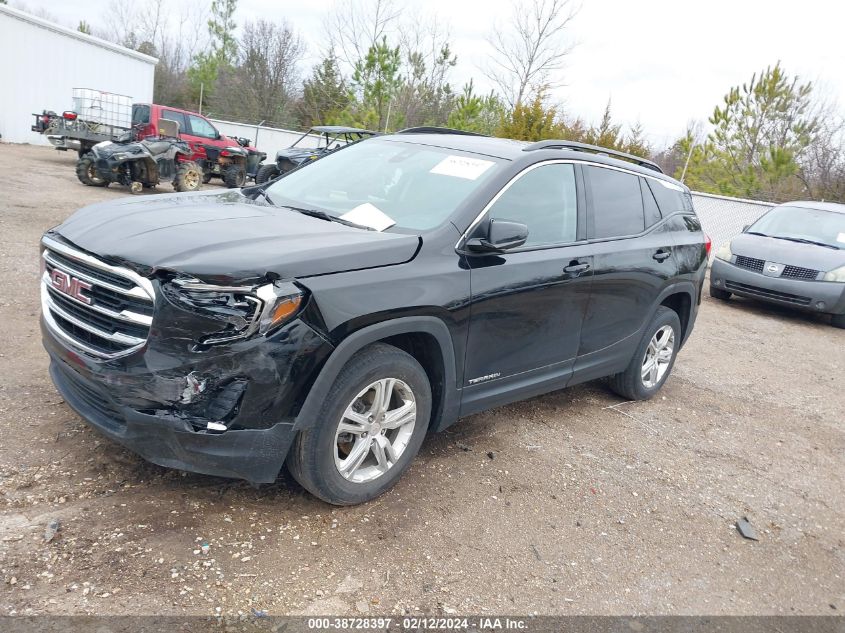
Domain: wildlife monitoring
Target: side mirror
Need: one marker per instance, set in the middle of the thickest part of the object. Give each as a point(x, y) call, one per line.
point(502, 235)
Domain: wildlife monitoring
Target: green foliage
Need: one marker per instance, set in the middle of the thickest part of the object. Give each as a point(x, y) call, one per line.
point(84, 27)
point(222, 53)
point(760, 133)
point(325, 94)
point(609, 134)
point(474, 113)
point(376, 81)
point(532, 121)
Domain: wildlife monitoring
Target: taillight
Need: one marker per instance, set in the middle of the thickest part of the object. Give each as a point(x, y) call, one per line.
point(45, 119)
point(707, 244)
point(69, 116)
point(225, 153)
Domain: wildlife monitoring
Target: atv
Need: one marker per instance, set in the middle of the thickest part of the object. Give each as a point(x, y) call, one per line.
point(140, 164)
point(232, 164)
point(328, 138)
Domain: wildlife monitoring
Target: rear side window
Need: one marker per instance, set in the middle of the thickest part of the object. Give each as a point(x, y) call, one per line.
point(652, 212)
point(140, 114)
point(617, 202)
point(179, 117)
point(545, 200)
point(670, 198)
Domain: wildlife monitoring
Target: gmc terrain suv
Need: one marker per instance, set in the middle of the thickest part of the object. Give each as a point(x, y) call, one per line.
point(332, 317)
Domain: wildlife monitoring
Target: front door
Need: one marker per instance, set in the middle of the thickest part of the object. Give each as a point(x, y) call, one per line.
point(528, 304)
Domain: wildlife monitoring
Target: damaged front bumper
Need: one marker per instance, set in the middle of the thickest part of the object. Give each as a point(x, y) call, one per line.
point(228, 411)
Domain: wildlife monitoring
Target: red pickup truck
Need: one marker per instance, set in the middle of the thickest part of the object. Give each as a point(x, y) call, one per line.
point(218, 155)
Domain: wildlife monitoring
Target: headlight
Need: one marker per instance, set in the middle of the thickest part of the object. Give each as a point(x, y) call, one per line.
point(242, 311)
point(837, 274)
point(724, 252)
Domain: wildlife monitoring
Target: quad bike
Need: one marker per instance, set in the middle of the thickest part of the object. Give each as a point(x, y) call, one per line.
point(139, 164)
point(234, 164)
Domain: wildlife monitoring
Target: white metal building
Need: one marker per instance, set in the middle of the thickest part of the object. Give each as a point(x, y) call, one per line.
point(43, 62)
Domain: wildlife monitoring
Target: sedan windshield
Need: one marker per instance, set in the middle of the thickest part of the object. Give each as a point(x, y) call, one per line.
point(381, 183)
point(803, 225)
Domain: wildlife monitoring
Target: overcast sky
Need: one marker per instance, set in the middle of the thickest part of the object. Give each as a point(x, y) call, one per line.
point(661, 62)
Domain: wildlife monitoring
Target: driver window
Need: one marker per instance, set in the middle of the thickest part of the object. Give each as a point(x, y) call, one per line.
point(201, 127)
point(544, 199)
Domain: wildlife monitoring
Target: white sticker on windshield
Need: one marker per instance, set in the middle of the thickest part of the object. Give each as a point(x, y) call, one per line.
point(841, 238)
point(461, 167)
point(369, 215)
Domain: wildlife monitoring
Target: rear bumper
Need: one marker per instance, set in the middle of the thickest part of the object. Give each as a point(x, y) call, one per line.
point(811, 296)
point(255, 455)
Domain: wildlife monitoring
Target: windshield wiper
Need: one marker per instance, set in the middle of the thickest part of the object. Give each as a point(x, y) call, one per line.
point(805, 241)
point(263, 193)
point(757, 233)
point(322, 215)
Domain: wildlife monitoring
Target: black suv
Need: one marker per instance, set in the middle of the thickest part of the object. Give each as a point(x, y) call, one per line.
point(331, 318)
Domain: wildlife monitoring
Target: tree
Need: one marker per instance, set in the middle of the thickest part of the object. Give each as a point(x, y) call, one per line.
point(609, 134)
point(761, 133)
point(353, 27)
point(84, 27)
point(325, 94)
point(532, 122)
point(263, 82)
point(223, 49)
point(377, 80)
point(474, 113)
point(528, 53)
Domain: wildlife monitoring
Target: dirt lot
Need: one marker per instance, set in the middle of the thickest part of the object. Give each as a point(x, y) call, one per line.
point(572, 503)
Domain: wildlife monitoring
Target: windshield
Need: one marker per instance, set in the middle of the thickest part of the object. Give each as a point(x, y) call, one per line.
point(382, 183)
point(798, 223)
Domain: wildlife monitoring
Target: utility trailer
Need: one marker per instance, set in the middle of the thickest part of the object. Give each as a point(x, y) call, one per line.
point(96, 116)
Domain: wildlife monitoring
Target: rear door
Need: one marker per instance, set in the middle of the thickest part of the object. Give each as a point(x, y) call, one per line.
point(528, 303)
point(633, 261)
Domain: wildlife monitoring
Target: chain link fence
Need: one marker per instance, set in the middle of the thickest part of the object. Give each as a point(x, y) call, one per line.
point(723, 217)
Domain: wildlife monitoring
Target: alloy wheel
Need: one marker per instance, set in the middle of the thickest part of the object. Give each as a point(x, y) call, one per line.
point(375, 430)
point(658, 355)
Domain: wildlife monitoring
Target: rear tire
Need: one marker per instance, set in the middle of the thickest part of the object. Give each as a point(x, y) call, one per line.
point(653, 361)
point(86, 172)
point(718, 293)
point(234, 176)
point(265, 173)
point(188, 177)
point(349, 424)
point(838, 320)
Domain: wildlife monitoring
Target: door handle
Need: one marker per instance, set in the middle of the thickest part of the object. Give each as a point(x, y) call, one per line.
point(661, 255)
point(577, 268)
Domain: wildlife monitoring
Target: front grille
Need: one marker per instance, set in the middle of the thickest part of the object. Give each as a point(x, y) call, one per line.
point(766, 293)
point(90, 395)
point(750, 263)
point(112, 318)
point(796, 272)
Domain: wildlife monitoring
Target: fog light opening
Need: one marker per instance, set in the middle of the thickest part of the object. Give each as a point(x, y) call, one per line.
point(717, 282)
point(820, 305)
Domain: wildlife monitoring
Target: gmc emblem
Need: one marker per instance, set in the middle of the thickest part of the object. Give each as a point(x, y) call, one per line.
point(71, 286)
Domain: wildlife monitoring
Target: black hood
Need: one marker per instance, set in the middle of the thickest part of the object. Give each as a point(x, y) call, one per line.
point(227, 238)
point(787, 252)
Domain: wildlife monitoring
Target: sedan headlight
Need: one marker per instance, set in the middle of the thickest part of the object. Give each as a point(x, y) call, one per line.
point(837, 274)
point(242, 311)
point(724, 252)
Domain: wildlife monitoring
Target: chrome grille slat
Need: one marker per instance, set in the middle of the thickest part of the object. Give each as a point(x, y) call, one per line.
point(109, 319)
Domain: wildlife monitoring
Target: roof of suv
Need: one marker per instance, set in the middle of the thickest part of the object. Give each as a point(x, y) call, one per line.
point(510, 149)
point(821, 206)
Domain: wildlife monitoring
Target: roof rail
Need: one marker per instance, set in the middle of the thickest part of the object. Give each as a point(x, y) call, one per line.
point(595, 149)
point(426, 129)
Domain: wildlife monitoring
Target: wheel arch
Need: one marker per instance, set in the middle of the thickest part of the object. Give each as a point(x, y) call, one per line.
point(680, 297)
point(426, 338)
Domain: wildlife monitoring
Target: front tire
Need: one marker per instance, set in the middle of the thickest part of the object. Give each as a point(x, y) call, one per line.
point(653, 361)
point(368, 430)
point(188, 177)
point(86, 172)
point(265, 173)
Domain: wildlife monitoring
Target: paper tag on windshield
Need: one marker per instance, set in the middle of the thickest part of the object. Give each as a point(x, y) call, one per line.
point(369, 215)
point(461, 167)
point(841, 238)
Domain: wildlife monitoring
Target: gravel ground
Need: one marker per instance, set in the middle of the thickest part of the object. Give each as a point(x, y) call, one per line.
point(571, 503)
